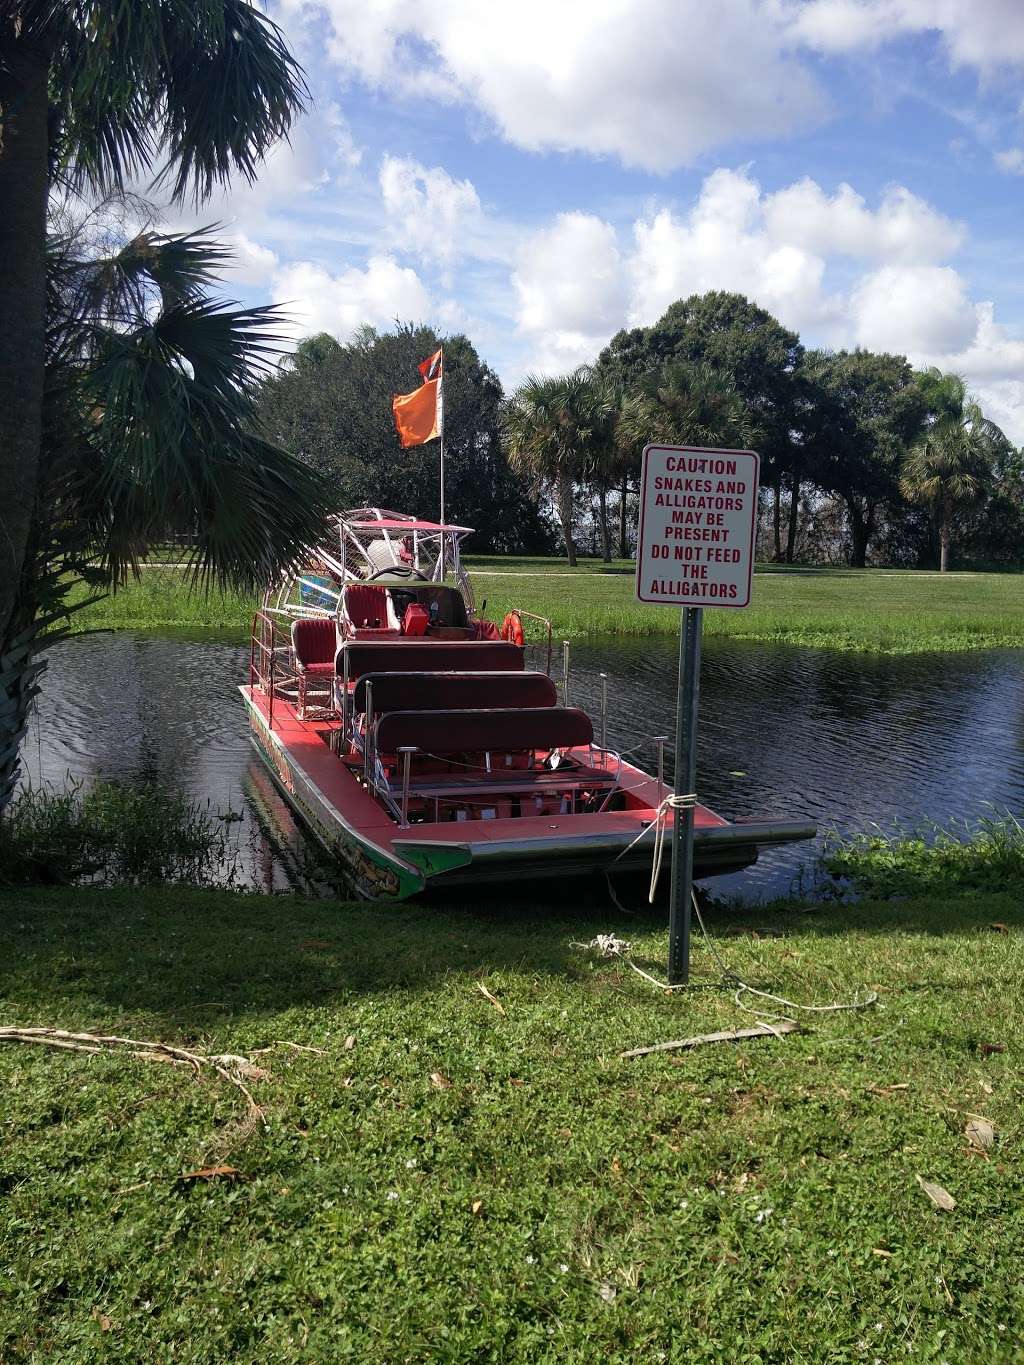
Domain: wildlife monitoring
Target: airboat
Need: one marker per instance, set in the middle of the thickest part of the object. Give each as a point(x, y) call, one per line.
point(426, 746)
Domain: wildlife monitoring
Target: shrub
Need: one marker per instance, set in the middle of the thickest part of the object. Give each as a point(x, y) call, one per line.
point(112, 834)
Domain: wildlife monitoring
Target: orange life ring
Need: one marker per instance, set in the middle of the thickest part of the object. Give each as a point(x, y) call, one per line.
point(512, 629)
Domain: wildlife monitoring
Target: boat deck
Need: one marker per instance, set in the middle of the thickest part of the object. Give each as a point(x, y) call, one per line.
point(306, 743)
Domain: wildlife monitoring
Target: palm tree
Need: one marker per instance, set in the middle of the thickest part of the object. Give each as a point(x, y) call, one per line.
point(94, 95)
point(951, 465)
point(684, 404)
point(559, 431)
point(608, 467)
point(149, 422)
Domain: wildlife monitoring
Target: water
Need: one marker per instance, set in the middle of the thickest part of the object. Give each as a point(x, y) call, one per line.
point(847, 740)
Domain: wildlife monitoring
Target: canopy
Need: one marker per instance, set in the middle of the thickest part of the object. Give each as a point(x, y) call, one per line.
point(405, 526)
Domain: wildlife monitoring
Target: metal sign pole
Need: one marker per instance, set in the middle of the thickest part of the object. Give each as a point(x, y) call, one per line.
point(687, 701)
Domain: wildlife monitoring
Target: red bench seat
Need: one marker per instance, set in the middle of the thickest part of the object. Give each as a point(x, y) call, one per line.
point(499, 730)
point(454, 691)
point(428, 656)
point(314, 644)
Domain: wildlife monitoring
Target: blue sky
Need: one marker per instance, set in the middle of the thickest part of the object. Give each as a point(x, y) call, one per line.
point(539, 175)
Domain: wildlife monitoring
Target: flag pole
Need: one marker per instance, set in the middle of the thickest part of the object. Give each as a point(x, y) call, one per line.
point(440, 406)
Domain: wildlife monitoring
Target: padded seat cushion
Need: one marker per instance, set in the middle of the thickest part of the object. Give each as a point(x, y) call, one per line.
point(314, 640)
point(429, 656)
point(367, 605)
point(452, 732)
point(454, 691)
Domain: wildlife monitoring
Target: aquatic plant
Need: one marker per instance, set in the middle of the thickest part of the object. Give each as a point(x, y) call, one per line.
point(112, 834)
point(985, 855)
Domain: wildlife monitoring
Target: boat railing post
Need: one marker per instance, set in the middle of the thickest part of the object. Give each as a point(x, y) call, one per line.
point(661, 741)
point(604, 711)
point(565, 672)
point(270, 717)
point(407, 751)
point(367, 727)
point(344, 700)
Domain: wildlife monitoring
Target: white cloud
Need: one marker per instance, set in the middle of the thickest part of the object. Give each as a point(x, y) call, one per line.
point(576, 282)
point(346, 149)
point(983, 34)
point(1011, 161)
point(993, 365)
point(979, 33)
point(252, 263)
point(571, 289)
point(652, 82)
point(290, 177)
point(429, 212)
point(919, 310)
point(723, 243)
point(837, 25)
point(993, 354)
point(903, 228)
point(570, 276)
point(317, 301)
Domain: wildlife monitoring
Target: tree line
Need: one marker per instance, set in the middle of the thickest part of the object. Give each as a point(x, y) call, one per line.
point(864, 459)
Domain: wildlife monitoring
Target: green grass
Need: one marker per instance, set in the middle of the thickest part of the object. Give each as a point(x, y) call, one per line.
point(884, 611)
point(162, 600)
point(755, 1202)
point(891, 612)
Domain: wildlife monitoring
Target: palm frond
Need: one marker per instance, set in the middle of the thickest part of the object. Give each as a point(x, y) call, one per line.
point(685, 405)
point(207, 85)
point(156, 382)
point(952, 463)
point(226, 102)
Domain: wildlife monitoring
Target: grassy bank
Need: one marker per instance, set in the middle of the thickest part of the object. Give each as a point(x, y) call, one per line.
point(454, 1181)
point(879, 610)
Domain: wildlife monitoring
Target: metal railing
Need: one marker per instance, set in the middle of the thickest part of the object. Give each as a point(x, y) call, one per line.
point(545, 624)
point(271, 667)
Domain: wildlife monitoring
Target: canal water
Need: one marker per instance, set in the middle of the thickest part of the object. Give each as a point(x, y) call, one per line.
point(849, 740)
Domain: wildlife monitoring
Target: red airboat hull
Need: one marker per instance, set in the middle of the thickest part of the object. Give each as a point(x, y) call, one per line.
point(385, 861)
point(409, 737)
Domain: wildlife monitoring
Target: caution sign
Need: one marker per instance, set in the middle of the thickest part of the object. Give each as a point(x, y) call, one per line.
point(698, 515)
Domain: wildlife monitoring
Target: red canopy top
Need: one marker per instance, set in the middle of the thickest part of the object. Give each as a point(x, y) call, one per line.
point(404, 526)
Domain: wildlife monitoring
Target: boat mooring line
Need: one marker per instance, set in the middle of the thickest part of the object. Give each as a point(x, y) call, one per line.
point(610, 946)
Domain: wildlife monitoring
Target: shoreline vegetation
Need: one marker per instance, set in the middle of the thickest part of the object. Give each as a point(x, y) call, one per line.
point(462, 1148)
point(884, 611)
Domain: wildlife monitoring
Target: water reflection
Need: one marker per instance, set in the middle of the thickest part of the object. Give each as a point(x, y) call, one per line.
point(844, 739)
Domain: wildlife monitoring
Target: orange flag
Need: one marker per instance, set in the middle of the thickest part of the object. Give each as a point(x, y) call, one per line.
point(418, 415)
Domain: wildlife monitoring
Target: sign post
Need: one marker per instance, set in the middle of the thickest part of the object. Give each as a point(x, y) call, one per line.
point(695, 549)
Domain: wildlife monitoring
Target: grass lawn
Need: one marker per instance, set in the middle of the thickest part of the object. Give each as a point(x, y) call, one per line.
point(887, 611)
point(464, 1183)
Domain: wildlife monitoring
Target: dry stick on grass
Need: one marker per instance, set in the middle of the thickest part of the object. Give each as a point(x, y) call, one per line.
point(144, 1051)
point(726, 1036)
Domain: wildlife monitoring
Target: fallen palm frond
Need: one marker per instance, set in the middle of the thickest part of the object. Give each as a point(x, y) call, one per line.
point(732, 1035)
point(229, 1067)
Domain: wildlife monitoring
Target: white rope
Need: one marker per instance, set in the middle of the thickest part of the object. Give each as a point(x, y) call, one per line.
point(610, 946)
point(743, 989)
point(681, 802)
point(684, 801)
